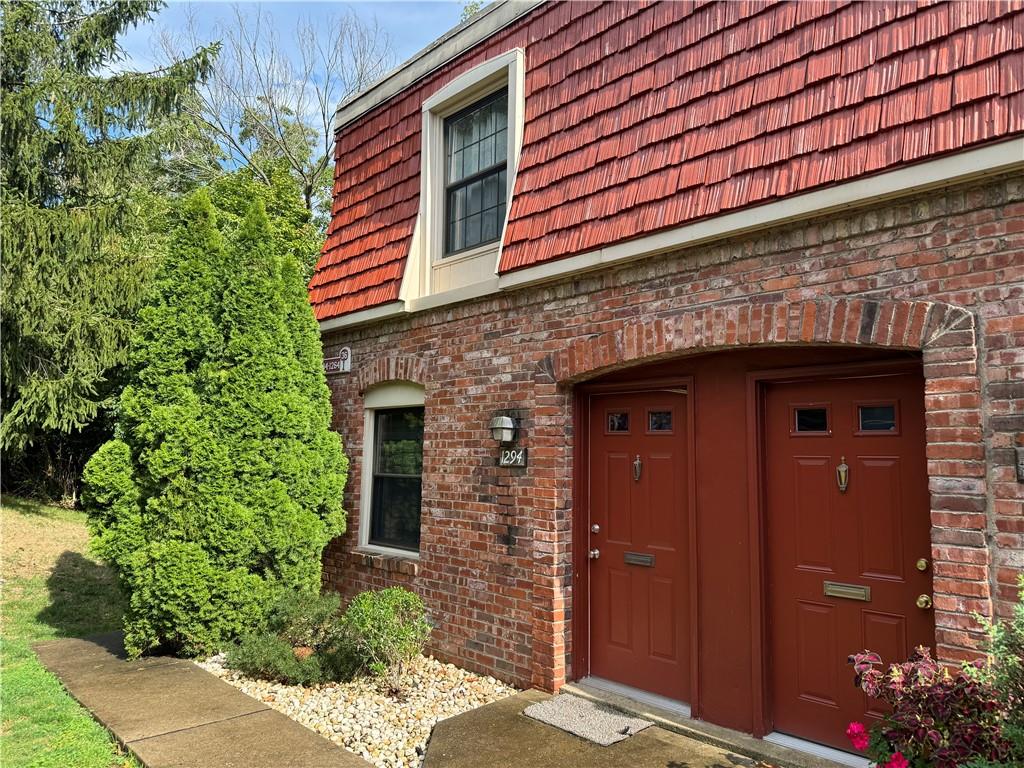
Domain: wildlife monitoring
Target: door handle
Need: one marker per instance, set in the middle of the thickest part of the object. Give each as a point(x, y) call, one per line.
point(594, 554)
point(638, 466)
point(924, 602)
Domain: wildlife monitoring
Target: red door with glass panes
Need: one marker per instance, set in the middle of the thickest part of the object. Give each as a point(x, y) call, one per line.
point(849, 552)
point(638, 537)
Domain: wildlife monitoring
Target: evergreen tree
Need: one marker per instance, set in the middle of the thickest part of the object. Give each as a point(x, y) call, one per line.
point(224, 482)
point(78, 156)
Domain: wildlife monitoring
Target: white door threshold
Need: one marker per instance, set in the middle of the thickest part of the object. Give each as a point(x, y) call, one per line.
point(637, 694)
point(775, 749)
point(818, 750)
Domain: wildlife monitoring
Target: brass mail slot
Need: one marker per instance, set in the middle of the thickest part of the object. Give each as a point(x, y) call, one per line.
point(847, 591)
point(635, 558)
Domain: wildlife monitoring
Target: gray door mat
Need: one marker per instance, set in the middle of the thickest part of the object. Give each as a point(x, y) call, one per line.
point(587, 719)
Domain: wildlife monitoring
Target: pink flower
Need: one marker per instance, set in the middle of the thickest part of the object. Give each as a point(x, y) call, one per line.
point(897, 761)
point(858, 736)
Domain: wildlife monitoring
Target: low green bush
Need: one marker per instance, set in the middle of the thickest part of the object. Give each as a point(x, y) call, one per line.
point(307, 619)
point(267, 656)
point(301, 643)
point(306, 640)
point(386, 630)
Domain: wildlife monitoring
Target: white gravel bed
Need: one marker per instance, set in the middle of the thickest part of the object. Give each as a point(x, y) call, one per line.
point(360, 716)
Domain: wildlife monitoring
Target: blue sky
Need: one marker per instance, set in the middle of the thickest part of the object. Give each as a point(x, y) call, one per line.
point(410, 25)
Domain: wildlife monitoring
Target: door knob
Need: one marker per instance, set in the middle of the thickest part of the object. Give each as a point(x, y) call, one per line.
point(595, 528)
point(594, 554)
point(924, 602)
point(922, 564)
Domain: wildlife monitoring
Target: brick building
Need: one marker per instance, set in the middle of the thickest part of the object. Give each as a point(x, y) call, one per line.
point(747, 280)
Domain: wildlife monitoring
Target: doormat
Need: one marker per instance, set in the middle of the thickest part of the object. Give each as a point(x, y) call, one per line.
point(587, 719)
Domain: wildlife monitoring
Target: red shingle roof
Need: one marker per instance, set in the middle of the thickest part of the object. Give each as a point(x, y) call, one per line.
point(641, 117)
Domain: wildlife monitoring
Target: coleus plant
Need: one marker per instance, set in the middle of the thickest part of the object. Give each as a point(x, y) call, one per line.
point(936, 718)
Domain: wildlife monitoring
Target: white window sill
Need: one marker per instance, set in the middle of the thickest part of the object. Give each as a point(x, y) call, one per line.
point(488, 249)
point(377, 549)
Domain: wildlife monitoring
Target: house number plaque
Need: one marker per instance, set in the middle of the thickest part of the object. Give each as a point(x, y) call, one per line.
point(340, 364)
point(512, 457)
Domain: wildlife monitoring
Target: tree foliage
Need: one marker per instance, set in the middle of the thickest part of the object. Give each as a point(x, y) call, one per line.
point(264, 108)
point(77, 150)
point(224, 482)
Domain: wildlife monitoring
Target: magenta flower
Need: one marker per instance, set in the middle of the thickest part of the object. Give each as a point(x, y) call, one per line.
point(858, 736)
point(897, 761)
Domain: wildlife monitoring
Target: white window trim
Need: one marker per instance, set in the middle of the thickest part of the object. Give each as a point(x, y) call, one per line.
point(392, 394)
point(507, 70)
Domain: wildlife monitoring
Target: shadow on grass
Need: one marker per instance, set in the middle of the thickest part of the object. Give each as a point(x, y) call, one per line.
point(84, 597)
point(28, 506)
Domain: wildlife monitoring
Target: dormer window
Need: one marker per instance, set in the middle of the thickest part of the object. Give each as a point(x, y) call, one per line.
point(472, 138)
point(476, 153)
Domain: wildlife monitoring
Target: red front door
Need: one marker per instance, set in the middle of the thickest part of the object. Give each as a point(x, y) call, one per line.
point(844, 571)
point(638, 537)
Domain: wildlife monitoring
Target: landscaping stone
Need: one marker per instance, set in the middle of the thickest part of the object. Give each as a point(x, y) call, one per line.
point(390, 732)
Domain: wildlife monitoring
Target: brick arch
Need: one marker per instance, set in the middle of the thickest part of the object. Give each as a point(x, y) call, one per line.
point(946, 336)
point(392, 368)
point(914, 325)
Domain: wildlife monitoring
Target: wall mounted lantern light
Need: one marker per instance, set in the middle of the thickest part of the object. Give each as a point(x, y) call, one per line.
point(503, 429)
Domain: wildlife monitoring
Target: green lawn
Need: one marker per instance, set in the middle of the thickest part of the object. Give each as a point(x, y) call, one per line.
point(51, 588)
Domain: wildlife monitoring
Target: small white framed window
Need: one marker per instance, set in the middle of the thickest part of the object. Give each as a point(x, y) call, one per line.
point(471, 141)
point(392, 469)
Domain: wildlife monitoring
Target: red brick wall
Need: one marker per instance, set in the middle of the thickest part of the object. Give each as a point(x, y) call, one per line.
point(942, 273)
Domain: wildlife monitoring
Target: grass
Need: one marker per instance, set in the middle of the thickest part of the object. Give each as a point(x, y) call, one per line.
point(50, 588)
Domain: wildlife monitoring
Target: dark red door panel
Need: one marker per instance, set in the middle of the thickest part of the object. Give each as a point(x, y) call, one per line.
point(842, 564)
point(638, 525)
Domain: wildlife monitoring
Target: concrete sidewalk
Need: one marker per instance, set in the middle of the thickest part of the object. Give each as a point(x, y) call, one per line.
point(500, 736)
point(172, 714)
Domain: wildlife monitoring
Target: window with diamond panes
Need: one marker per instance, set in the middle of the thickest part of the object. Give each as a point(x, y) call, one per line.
point(476, 167)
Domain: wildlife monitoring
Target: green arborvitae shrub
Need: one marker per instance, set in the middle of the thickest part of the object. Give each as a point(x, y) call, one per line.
point(224, 481)
point(386, 630)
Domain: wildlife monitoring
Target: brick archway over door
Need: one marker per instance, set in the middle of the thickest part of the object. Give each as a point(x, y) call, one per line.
point(946, 337)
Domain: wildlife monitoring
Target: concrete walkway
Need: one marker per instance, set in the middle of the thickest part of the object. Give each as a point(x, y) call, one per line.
point(172, 714)
point(499, 736)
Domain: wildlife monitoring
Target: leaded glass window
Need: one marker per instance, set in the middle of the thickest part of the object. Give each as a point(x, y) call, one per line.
point(476, 167)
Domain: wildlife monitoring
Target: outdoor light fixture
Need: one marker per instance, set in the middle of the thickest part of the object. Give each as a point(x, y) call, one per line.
point(503, 429)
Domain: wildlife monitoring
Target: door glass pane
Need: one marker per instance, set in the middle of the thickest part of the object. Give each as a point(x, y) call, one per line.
point(877, 418)
point(618, 421)
point(659, 421)
point(811, 419)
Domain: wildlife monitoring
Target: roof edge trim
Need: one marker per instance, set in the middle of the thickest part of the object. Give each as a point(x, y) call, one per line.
point(450, 45)
point(370, 315)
